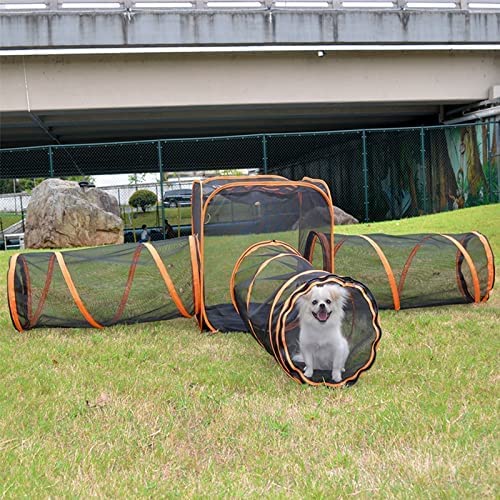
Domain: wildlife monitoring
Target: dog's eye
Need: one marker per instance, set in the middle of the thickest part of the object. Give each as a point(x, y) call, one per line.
point(314, 302)
point(328, 301)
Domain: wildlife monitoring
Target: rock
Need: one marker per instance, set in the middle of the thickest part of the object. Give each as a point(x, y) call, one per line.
point(320, 215)
point(61, 214)
point(342, 218)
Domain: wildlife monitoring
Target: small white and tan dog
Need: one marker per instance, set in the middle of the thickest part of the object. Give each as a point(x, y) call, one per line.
point(322, 345)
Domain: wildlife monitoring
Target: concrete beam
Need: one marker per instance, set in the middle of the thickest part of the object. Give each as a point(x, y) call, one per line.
point(170, 80)
point(57, 29)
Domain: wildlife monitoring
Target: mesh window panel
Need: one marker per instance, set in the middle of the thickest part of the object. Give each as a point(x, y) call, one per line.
point(334, 157)
point(102, 286)
point(418, 270)
point(95, 159)
point(395, 173)
point(212, 154)
point(244, 212)
point(24, 163)
point(280, 297)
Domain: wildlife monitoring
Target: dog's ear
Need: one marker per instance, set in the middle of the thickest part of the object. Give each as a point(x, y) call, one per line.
point(339, 294)
point(304, 299)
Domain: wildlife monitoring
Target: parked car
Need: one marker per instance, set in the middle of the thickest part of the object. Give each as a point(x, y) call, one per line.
point(177, 198)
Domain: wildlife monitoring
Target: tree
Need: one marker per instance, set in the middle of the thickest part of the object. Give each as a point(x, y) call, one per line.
point(143, 198)
point(7, 186)
point(31, 183)
point(135, 179)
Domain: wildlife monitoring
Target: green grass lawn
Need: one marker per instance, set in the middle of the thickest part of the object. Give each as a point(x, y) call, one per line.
point(160, 409)
point(152, 218)
point(8, 218)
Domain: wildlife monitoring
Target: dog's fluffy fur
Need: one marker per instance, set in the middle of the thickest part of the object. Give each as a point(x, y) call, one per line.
point(322, 345)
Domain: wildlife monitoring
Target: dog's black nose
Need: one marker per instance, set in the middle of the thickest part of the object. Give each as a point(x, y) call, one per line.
point(322, 306)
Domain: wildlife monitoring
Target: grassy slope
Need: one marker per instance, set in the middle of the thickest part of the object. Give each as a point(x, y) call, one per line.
point(160, 409)
point(151, 219)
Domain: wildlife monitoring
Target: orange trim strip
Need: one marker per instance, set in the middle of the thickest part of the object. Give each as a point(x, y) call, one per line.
point(45, 292)
point(203, 317)
point(332, 246)
point(491, 267)
point(193, 250)
point(472, 267)
point(166, 278)
point(338, 246)
point(248, 251)
point(319, 181)
point(388, 271)
point(325, 249)
point(251, 178)
point(201, 202)
point(74, 293)
point(11, 292)
point(128, 285)
point(200, 246)
point(312, 246)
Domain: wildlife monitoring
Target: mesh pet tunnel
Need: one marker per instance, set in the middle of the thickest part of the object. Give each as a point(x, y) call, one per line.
point(414, 270)
point(231, 213)
point(104, 286)
point(268, 280)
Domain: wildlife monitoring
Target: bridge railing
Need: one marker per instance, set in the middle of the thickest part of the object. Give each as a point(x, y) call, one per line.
point(140, 5)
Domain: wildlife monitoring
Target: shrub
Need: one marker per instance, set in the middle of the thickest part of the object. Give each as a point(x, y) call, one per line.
point(143, 198)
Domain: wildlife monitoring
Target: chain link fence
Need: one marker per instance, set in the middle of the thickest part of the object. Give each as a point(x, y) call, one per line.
point(374, 174)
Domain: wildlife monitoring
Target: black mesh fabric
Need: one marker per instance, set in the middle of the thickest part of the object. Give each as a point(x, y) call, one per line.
point(239, 211)
point(268, 281)
point(106, 285)
point(421, 270)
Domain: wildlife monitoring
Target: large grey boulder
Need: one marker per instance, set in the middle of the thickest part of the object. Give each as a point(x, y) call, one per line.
point(62, 214)
point(343, 218)
point(319, 215)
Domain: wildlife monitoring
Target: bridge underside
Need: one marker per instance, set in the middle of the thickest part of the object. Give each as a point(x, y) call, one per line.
point(18, 129)
point(95, 98)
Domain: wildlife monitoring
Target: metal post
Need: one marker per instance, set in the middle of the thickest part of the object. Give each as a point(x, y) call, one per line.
point(423, 169)
point(51, 163)
point(22, 211)
point(365, 174)
point(122, 212)
point(15, 202)
point(496, 131)
point(264, 153)
point(489, 159)
point(160, 165)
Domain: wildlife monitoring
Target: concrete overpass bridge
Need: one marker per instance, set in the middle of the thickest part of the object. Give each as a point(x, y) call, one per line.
point(74, 72)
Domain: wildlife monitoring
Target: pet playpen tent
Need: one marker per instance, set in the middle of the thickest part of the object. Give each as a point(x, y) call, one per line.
point(185, 276)
point(191, 276)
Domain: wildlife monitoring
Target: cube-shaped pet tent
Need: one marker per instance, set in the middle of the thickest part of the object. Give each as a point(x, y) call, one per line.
point(231, 213)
